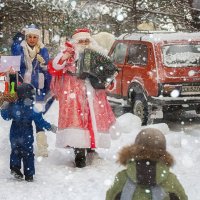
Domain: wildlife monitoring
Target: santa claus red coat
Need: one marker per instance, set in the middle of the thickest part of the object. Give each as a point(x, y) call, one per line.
point(86, 119)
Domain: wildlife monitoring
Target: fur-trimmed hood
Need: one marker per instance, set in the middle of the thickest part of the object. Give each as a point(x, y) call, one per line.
point(138, 152)
point(150, 144)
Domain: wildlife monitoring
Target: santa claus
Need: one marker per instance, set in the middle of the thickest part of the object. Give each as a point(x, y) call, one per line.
point(86, 120)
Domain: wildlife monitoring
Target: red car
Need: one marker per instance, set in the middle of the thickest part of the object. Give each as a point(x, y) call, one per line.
point(157, 72)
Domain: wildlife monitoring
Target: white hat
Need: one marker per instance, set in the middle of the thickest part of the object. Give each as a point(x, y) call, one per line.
point(81, 34)
point(32, 30)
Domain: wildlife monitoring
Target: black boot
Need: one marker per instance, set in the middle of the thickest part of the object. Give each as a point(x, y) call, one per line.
point(29, 178)
point(16, 173)
point(80, 158)
point(89, 150)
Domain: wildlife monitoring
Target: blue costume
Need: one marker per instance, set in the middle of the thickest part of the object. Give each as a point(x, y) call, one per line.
point(33, 69)
point(22, 114)
point(36, 71)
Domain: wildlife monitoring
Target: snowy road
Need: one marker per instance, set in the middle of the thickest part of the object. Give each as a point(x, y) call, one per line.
point(57, 179)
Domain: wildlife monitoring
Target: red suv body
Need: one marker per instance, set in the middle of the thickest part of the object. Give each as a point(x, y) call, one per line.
point(157, 71)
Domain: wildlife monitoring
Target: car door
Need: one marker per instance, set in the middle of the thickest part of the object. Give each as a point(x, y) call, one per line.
point(118, 54)
point(139, 67)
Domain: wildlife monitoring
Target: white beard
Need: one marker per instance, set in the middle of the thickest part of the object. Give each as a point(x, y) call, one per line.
point(80, 47)
point(92, 45)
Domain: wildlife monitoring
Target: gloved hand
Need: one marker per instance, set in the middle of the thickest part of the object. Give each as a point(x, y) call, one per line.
point(40, 59)
point(66, 56)
point(53, 128)
point(5, 105)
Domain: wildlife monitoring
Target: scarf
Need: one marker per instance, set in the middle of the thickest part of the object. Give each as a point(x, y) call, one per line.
point(29, 55)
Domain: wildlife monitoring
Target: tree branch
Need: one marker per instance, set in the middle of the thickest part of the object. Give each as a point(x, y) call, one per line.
point(142, 10)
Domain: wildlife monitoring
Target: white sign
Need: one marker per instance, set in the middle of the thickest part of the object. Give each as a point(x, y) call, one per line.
point(8, 63)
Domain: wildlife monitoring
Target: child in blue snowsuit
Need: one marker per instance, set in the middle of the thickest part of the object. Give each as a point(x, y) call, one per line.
point(21, 132)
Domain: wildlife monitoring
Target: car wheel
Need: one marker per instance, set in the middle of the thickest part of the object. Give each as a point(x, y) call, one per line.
point(140, 108)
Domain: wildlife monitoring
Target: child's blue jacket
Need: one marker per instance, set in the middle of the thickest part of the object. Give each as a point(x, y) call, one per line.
point(22, 114)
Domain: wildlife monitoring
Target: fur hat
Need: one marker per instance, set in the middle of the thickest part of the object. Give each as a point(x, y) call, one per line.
point(32, 29)
point(83, 33)
point(151, 138)
point(150, 144)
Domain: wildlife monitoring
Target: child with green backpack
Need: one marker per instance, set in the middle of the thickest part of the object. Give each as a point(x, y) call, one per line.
point(147, 175)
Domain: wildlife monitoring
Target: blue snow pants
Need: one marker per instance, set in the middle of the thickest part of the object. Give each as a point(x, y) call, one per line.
point(22, 147)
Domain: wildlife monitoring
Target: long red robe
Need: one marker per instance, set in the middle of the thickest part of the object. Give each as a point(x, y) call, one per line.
point(85, 115)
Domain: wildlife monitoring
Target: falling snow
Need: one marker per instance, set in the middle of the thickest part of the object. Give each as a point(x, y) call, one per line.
point(57, 172)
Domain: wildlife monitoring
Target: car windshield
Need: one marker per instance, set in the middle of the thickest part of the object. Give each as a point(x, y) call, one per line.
point(181, 55)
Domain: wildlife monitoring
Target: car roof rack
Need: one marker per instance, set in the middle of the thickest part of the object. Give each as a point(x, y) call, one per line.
point(158, 36)
point(145, 32)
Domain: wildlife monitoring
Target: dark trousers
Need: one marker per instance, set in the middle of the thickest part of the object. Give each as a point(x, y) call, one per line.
point(22, 154)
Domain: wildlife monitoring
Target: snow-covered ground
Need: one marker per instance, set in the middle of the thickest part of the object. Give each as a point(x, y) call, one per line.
point(57, 179)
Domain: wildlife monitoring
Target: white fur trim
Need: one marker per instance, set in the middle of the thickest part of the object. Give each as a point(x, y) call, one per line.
point(41, 80)
point(90, 95)
point(57, 66)
point(27, 77)
point(28, 60)
point(102, 140)
point(80, 138)
point(81, 35)
point(73, 137)
point(33, 31)
point(28, 63)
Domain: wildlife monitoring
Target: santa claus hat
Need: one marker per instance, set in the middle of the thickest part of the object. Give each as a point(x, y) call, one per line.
point(83, 33)
point(32, 29)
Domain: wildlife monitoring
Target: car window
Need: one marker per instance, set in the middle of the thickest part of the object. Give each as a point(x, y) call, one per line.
point(181, 55)
point(137, 54)
point(119, 53)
